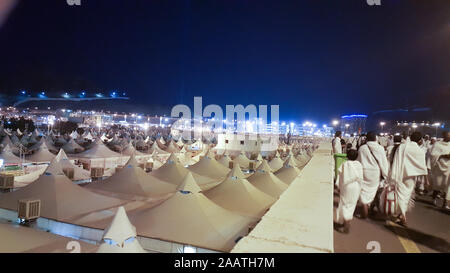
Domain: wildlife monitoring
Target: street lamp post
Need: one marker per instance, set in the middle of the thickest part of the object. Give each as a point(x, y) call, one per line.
point(437, 124)
point(382, 125)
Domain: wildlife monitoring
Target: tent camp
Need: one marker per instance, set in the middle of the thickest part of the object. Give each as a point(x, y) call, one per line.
point(173, 172)
point(189, 217)
point(8, 157)
point(60, 198)
point(72, 147)
point(238, 195)
point(276, 163)
point(132, 181)
point(101, 156)
point(66, 163)
point(208, 166)
point(41, 155)
point(266, 181)
point(288, 172)
point(120, 236)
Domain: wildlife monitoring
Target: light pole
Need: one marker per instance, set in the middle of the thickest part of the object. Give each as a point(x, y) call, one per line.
point(437, 124)
point(346, 127)
point(382, 125)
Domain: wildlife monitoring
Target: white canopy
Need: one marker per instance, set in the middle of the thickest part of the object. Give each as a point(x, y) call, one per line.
point(238, 195)
point(189, 217)
point(60, 198)
point(266, 181)
point(132, 180)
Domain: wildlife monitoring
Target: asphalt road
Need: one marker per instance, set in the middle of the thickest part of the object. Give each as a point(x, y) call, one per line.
point(428, 232)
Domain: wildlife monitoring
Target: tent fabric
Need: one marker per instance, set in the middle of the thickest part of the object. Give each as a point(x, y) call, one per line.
point(225, 161)
point(132, 180)
point(120, 228)
point(208, 166)
point(41, 155)
point(276, 163)
point(8, 156)
point(132, 247)
point(191, 218)
point(238, 195)
point(287, 174)
point(98, 150)
point(173, 172)
point(72, 147)
point(79, 172)
point(60, 198)
point(19, 239)
point(267, 182)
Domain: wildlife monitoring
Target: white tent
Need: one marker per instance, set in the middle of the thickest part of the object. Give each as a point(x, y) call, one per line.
point(225, 161)
point(72, 147)
point(8, 156)
point(276, 163)
point(131, 180)
point(60, 198)
point(121, 235)
point(238, 195)
point(288, 172)
point(41, 155)
point(173, 172)
point(74, 135)
point(266, 181)
point(98, 150)
point(189, 217)
point(242, 160)
point(79, 172)
point(208, 166)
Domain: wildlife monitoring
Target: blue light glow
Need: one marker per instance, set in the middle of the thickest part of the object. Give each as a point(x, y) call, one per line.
point(355, 116)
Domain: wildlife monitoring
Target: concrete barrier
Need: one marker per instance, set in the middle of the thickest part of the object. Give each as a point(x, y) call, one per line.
point(302, 219)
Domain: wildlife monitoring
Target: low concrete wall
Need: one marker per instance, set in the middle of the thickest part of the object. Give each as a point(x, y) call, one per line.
point(302, 219)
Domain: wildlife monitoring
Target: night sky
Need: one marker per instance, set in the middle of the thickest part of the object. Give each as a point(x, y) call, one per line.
point(317, 59)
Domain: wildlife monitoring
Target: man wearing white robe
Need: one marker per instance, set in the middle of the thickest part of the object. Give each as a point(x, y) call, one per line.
point(372, 157)
point(440, 168)
point(408, 164)
point(336, 143)
point(350, 177)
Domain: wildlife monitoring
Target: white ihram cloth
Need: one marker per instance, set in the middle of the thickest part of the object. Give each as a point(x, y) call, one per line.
point(409, 162)
point(337, 147)
point(440, 167)
point(350, 177)
point(372, 170)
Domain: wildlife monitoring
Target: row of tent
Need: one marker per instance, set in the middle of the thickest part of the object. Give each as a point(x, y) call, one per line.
point(206, 204)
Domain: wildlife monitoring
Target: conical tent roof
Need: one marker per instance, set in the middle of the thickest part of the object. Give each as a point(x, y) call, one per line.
point(60, 198)
point(98, 150)
point(266, 181)
point(208, 166)
point(130, 150)
point(189, 217)
point(225, 161)
point(288, 172)
point(276, 163)
point(71, 147)
point(6, 141)
point(173, 172)
point(264, 167)
point(238, 195)
point(8, 156)
point(243, 160)
point(41, 155)
point(172, 148)
point(157, 149)
point(132, 180)
point(120, 228)
point(74, 135)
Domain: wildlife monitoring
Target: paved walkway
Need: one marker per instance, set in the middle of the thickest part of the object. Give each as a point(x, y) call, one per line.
point(428, 232)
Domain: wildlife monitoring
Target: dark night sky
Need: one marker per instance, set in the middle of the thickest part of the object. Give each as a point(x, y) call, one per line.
point(316, 59)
